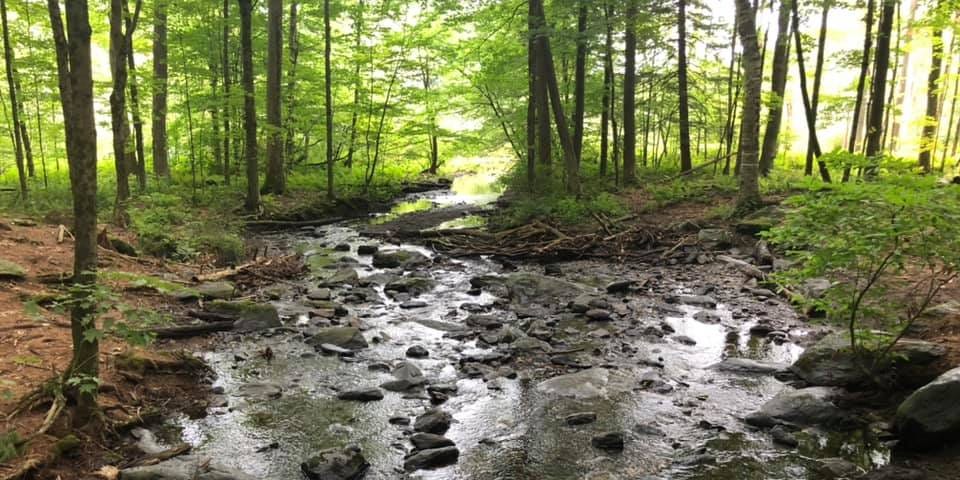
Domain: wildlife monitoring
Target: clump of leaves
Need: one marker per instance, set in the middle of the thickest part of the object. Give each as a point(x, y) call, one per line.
point(11, 446)
point(888, 248)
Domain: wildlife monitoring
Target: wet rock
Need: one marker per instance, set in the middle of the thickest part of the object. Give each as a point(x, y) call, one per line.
point(530, 344)
point(892, 472)
point(707, 316)
point(407, 376)
point(399, 258)
point(761, 220)
point(361, 395)
point(399, 420)
point(433, 421)
point(474, 307)
point(429, 441)
point(930, 417)
point(553, 269)
point(484, 321)
point(608, 441)
point(621, 286)
point(581, 418)
point(744, 267)
point(335, 350)
point(187, 467)
point(806, 407)
point(432, 458)
point(321, 294)
point(11, 271)
point(442, 326)
point(531, 288)
point(598, 315)
point(697, 459)
point(417, 351)
point(838, 468)
point(569, 361)
point(348, 338)
point(762, 328)
point(782, 436)
point(260, 391)
point(587, 384)
point(341, 277)
point(684, 340)
point(367, 249)
point(336, 464)
point(831, 362)
point(715, 237)
point(342, 247)
point(695, 300)
point(412, 304)
point(748, 366)
point(249, 316)
point(411, 285)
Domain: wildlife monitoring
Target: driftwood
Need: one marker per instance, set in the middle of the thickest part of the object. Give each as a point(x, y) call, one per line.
point(220, 275)
point(187, 331)
point(158, 457)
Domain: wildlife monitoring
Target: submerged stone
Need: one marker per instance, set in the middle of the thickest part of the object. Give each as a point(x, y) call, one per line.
point(336, 464)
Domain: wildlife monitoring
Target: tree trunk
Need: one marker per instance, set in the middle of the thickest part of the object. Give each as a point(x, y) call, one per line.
point(355, 115)
point(951, 133)
point(686, 162)
point(607, 87)
point(161, 164)
point(294, 46)
point(141, 161)
point(541, 97)
point(879, 87)
point(904, 76)
point(928, 135)
point(811, 113)
point(897, 51)
point(275, 181)
point(778, 86)
point(24, 131)
point(328, 95)
point(227, 100)
point(75, 74)
point(118, 104)
point(749, 197)
point(817, 80)
point(629, 97)
point(861, 81)
point(14, 105)
point(252, 201)
point(531, 166)
point(580, 80)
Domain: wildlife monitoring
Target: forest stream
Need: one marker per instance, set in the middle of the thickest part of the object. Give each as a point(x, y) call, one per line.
point(642, 356)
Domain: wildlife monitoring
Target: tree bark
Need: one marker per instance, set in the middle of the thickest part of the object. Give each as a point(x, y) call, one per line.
point(904, 75)
point(879, 87)
point(355, 115)
point(928, 135)
point(778, 86)
point(580, 80)
point(861, 81)
point(275, 181)
point(328, 95)
point(293, 46)
point(811, 113)
point(607, 87)
point(252, 201)
point(686, 162)
point(629, 97)
point(541, 97)
point(75, 75)
point(118, 104)
point(141, 161)
point(817, 80)
point(749, 196)
point(14, 105)
point(225, 69)
point(161, 163)
point(24, 131)
point(531, 166)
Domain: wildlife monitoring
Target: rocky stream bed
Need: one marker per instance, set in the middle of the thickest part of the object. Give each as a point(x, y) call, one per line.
point(391, 361)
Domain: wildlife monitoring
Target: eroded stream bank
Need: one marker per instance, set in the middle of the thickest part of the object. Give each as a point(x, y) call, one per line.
point(544, 372)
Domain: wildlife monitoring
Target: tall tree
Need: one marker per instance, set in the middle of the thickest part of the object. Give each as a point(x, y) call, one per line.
point(531, 98)
point(607, 87)
point(808, 107)
point(14, 104)
point(580, 79)
point(749, 196)
point(293, 46)
point(161, 163)
point(817, 79)
point(903, 76)
point(226, 68)
point(327, 87)
point(879, 86)
point(141, 161)
point(252, 200)
point(275, 181)
point(629, 97)
point(118, 103)
point(928, 135)
point(75, 82)
point(686, 162)
point(861, 81)
point(778, 86)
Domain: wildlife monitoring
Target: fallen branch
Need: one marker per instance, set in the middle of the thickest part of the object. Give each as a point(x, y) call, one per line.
point(284, 225)
point(187, 331)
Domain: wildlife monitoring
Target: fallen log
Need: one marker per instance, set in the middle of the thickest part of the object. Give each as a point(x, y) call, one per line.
point(284, 225)
point(187, 331)
point(158, 457)
point(221, 274)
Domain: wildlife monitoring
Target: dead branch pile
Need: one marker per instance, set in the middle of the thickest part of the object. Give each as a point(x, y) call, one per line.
point(544, 241)
point(265, 271)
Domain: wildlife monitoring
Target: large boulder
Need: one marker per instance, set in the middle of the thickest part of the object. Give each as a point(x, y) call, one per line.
point(930, 416)
point(11, 271)
point(249, 316)
point(410, 285)
point(407, 376)
point(431, 458)
point(188, 467)
point(341, 277)
point(336, 464)
point(806, 407)
point(748, 366)
point(526, 288)
point(832, 363)
point(348, 338)
point(400, 259)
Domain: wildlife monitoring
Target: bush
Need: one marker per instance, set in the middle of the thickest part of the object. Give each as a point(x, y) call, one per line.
point(887, 247)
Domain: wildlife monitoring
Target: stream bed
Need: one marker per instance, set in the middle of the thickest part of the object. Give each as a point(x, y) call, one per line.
point(646, 369)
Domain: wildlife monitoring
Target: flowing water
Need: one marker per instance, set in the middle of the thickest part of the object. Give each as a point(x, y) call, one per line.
point(505, 428)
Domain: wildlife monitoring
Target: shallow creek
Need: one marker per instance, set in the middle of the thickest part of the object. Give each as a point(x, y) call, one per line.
point(681, 418)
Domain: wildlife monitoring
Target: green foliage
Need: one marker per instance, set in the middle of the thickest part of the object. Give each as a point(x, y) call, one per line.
point(563, 209)
point(888, 248)
point(166, 228)
point(11, 446)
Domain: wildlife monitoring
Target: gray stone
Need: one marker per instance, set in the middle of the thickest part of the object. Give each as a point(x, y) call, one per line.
point(336, 464)
point(715, 237)
point(249, 316)
point(832, 362)
point(761, 220)
point(322, 294)
point(581, 418)
point(427, 441)
point(349, 338)
point(838, 468)
point(361, 395)
point(412, 285)
point(782, 436)
point(695, 300)
point(608, 441)
point(433, 421)
point(484, 321)
point(684, 340)
point(432, 458)
point(260, 391)
point(526, 288)
point(806, 407)
point(597, 315)
point(186, 467)
point(11, 271)
point(367, 249)
point(530, 344)
point(341, 277)
point(399, 258)
point(930, 416)
point(417, 351)
point(707, 316)
point(748, 366)
point(407, 376)
point(586, 384)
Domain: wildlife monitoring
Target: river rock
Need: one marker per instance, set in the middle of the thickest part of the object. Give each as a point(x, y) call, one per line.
point(893, 472)
point(608, 441)
point(621, 286)
point(782, 436)
point(746, 365)
point(186, 467)
point(930, 416)
point(528, 344)
point(590, 383)
point(407, 376)
point(695, 300)
point(260, 391)
point(684, 340)
point(715, 237)
point(320, 294)
point(531, 288)
point(838, 468)
point(707, 316)
point(349, 338)
point(341, 277)
point(581, 418)
point(411, 285)
point(399, 258)
point(249, 316)
point(761, 220)
point(484, 321)
point(417, 351)
point(336, 464)
point(831, 362)
point(597, 315)
point(427, 441)
point(362, 395)
point(433, 421)
point(431, 458)
point(806, 407)
point(11, 271)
